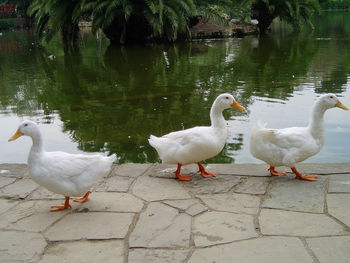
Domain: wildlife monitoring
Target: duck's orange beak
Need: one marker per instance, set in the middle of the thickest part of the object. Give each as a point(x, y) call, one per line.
point(341, 105)
point(237, 106)
point(16, 135)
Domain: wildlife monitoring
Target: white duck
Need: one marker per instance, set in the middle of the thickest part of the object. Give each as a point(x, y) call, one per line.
point(198, 143)
point(61, 172)
point(286, 147)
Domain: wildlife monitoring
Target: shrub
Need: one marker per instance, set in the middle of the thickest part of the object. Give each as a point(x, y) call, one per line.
point(7, 23)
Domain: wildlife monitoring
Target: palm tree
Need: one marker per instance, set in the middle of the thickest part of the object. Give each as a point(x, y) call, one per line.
point(223, 10)
point(53, 16)
point(298, 12)
point(294, 12)
point(139, 20)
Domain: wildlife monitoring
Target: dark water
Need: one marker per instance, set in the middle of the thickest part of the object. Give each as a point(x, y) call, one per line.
point(110, 99)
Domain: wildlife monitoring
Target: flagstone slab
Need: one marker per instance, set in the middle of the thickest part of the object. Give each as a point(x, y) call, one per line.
point(278, 222)
point(254, 185)
point(18, 190)
point(43, 194)
point(6, 181)
point(239, 169)
point(296, 195)
point(213, 185)
point(190, 206)
point(94, 225)
point(14, 170)
point(6, 204)
point(131, 169)
point(164, 170)
point(339, 207)
point(112, 202)
point(31, 216)
point(236, 203)
point(161, 226)
point(115, 184)
point(259, 250)
point(152, 189)
point(21, 246)
point(212, 228)
point(324, 169)
point(157, 256)
point(111, 251)
point(331, 249)
point(339, 183)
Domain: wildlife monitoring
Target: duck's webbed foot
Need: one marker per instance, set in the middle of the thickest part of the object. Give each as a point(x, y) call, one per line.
point(181, 177)
point(274, 172)
point(83, 198)
point(205, 173)
point(303, 177)
point(60, 207)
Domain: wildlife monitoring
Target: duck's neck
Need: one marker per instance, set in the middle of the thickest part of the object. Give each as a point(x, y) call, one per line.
point(216, 118)
point(316, 123)
point(38, 145)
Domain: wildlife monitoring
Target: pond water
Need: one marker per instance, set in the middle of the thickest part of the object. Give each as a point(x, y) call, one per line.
point(110, 99)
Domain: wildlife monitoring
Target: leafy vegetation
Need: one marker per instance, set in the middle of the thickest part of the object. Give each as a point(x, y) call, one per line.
point(138, 21)
point(335, 4)
point(223, 10)
point(57, 16)
point(111, 99)
point(7, 23)
point(130, 21)
point(295, 12)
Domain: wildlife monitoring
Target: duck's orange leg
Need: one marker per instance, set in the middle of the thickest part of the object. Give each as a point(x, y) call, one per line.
point(60, 207)
point(83, 198)
point(274, 172)
point(204, 173)
point(181, 177)
point(305, 176)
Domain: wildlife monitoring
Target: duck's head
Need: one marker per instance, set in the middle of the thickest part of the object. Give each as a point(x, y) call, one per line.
point(330, 101)
point(28, 128)
point(226, 101)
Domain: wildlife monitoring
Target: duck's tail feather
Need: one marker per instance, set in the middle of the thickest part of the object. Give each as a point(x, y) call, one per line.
point(258, 127)
point(153, 141)
point(113, 158)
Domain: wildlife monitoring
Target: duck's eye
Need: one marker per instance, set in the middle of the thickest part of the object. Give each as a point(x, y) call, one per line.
point(227, 98)
point(26, 124)
point(331, 97)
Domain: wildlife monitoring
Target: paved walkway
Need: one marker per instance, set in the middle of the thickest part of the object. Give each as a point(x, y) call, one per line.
point(140, 213)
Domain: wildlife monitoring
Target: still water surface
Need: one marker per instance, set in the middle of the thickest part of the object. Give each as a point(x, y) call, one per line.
point(110, 99)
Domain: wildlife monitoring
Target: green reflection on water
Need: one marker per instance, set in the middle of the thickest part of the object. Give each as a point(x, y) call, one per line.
point(112, 98)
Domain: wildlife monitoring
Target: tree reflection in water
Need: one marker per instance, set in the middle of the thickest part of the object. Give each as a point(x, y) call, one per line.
point(112, 98)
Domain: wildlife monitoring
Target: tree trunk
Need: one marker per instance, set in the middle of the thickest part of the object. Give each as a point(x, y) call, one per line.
point(263, 15)
point(135, 30)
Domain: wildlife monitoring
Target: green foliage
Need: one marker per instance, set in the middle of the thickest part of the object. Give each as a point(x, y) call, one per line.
point(7, 23)
point(57, 16)
point(222, 11)
point(147, 18)
point(295, 12)
point(119, 19)
point(299, 12)
point(335, 4)
point(112, 99)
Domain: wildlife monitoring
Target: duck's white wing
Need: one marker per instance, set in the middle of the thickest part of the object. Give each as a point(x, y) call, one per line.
point(286, 138)
point(69, 174)
point(67, 165)
point(187, 136)
point(286, 146)
point(187, 146)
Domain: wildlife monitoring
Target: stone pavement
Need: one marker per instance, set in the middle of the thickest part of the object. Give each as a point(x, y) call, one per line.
point(140, 213)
